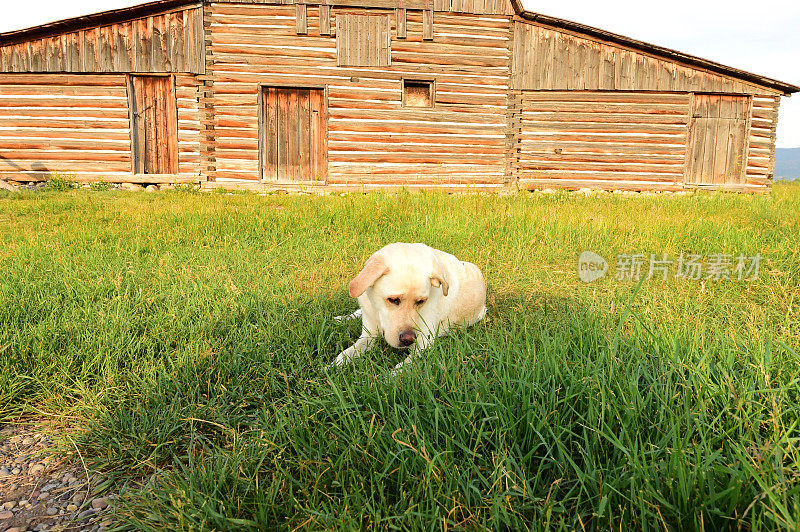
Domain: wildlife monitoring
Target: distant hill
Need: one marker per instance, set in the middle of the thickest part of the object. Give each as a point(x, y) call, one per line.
point(787, 163)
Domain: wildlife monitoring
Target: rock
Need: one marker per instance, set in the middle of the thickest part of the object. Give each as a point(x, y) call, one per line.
point(28, 441)
point(151, 188)
point(36, 469)
point(9, 505)
point(52, 510)
point(131, 187)
point(15, 529)
point(100, 503)
point(16, 471)
point(5, 185)
point(85, 514)
point(4, 472)
point(72, 508)
point(6, 514)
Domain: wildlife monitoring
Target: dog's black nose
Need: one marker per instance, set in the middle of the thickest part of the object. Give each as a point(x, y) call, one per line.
point(407, 338)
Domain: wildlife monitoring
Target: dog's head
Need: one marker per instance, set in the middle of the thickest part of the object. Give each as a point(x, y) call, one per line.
point(399, 281)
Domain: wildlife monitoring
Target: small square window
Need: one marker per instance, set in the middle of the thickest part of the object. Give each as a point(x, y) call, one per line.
point(417, 93)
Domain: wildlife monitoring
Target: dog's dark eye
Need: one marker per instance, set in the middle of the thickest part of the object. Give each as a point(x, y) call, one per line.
point(394, 300)
point(420, 302)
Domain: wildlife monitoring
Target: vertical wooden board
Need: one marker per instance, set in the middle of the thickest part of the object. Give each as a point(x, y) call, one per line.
point(271, 133)
point(319, 136)
point(161, 62)
point(536, 62)
point(74, 52)
point(427, 25)
point(324, 19)
point(710, 140)
point(106, 43)
point(36, 63)
point(561, 62)
point(607, 60)
point(548, 44)
point(149, 115)
point(400, 17)
point(140, 119)
point(737, 156)
point(293, 131)
point(722, 137)
point(177, 28)
point(190, 26)
point(143, 44)
point(87, 51)
point(124, 58)
point(304, 134)
point(301, 18)
point(385, 43)
point(47, 55)
point(281, 133)
point(172, 124)
point(200, 39)
point(365, 52)
point(340, 48)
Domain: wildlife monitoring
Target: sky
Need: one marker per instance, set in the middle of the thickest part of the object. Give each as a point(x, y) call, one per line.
point(762, 37)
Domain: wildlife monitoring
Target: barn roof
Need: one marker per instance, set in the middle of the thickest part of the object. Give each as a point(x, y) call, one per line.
point(159, 6)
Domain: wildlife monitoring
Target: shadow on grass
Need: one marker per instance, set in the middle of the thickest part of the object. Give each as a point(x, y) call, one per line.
point(547, 414)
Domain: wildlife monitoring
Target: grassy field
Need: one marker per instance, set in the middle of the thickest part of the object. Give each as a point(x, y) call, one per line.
point(185, 335)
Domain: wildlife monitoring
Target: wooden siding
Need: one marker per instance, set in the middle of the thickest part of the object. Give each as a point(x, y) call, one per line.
point(556, 60)
point(169, 42)
point(476, 7)
point(716, 153)
point(605, 139)
point(154, 125)
point(79, 125)
point(623, 140)
point(362, 40)
point(372, 139)
point(293, 135)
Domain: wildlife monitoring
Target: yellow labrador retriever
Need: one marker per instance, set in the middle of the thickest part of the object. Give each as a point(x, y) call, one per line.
point(412, 293)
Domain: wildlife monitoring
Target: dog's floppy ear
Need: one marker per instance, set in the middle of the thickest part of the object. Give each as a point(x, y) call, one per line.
point(374, 269)
point(437, 279)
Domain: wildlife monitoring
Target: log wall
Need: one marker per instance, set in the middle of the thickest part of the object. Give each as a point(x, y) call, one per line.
point(476, 7)
point(624, 140)
point(167, 42)
point(372, 139)
point(78, 125)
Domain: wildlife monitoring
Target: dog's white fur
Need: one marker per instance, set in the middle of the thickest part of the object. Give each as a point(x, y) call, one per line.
point(408, 290)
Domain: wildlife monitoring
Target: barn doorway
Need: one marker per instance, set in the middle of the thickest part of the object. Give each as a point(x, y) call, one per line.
point(717, 147)
point(154, 124)
point(293, 135)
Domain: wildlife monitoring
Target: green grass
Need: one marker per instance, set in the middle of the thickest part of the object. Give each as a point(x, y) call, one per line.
point(183, 336)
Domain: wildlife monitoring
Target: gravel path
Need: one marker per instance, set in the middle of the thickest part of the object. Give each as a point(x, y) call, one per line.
point(41, 491)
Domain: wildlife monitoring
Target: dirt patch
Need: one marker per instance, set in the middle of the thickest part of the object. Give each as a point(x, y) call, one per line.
point(42, 491)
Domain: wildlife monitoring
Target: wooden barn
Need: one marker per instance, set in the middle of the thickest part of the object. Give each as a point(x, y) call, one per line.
point(359, 94)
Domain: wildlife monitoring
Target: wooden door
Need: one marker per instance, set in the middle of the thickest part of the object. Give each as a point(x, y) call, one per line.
point(717, 149)
point(294, 135)
point(154, 124)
